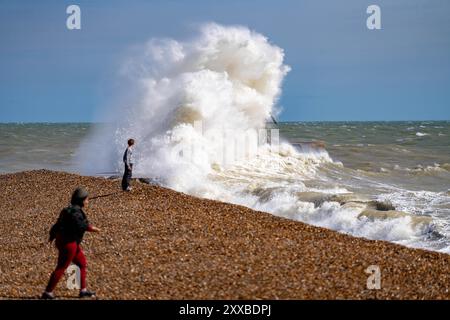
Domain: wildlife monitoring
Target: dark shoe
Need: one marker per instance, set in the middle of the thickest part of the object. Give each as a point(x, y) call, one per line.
point(47, 296)
point(87, 294)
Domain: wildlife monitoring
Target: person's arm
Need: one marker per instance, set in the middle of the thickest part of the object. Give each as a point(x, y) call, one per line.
point(91, 228)
point(127, 158)
point(83, 224)
point(131, 160)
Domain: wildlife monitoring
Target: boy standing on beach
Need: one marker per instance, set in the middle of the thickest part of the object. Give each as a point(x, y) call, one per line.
point(128, 161)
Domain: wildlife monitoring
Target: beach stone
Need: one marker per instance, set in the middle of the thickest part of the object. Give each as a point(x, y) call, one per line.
point(264, 194)
point(376, 214)
point(381, 206)
point(145, 180)
point(160, 244)
point(361, 206)
point(348, 197)
point(393, 214)
point(317, 198)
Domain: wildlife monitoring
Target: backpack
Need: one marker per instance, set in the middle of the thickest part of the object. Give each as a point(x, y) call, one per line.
point(56, 228)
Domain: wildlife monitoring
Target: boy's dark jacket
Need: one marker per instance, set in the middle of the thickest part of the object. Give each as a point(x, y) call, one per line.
point(71, 225)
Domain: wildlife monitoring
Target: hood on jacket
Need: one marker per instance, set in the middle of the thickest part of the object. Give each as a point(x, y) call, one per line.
point(78, 196)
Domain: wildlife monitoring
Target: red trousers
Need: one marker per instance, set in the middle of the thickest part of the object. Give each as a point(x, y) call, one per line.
point(68, 252)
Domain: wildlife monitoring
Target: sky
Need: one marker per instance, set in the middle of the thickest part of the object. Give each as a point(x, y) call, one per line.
point(341, 70)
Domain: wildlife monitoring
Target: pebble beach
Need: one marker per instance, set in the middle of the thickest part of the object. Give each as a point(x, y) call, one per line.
point(160, 244)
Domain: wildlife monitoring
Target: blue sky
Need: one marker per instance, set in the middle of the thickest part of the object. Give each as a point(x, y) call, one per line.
point(340, 69)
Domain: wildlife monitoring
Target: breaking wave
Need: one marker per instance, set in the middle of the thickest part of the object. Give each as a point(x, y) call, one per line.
point(198, 111)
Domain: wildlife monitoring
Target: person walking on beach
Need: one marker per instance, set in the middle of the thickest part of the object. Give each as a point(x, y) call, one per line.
point(68, 232)
point(128, 161)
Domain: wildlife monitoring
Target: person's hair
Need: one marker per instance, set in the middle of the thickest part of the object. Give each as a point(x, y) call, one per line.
point(130, 142)
point(78, 196)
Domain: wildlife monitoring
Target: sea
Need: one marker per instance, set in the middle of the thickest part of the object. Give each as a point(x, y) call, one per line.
point(404, 164)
